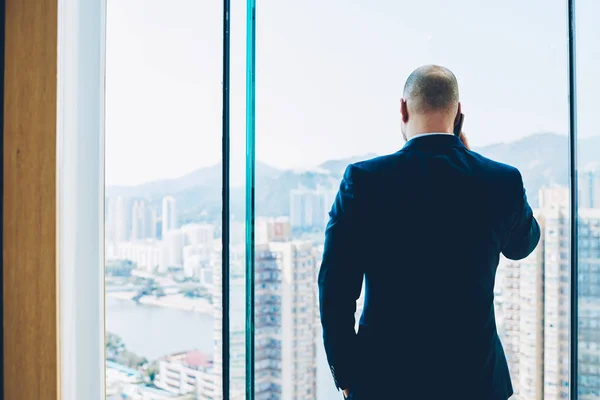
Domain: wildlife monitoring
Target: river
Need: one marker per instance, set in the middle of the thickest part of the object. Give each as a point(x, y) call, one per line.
point(153, 332)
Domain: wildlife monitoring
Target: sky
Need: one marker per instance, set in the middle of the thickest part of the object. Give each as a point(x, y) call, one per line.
point(329, 77)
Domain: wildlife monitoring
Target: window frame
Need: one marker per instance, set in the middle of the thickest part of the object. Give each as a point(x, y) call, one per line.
point(2, 39)
point(250, 196)
point(573, 205)
point(80, 198)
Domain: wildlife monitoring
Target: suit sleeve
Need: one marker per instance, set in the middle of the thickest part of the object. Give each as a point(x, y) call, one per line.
point(340, 282)
point(524, 229)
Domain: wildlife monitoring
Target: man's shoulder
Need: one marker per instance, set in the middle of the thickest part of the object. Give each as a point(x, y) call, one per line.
point(493, 167)
point(376, 164)
point(384, 165)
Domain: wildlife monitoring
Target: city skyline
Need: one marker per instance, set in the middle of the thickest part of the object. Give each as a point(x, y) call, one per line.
point(286, 305)
point(531, 300)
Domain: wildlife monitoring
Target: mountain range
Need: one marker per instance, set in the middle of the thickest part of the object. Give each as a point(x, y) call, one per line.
point(542, 159)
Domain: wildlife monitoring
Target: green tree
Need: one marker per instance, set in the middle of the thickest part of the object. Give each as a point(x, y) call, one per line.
point(114, 346)
point(152, 371)
point(130, 359)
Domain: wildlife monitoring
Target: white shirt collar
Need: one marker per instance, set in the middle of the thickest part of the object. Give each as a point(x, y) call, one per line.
point(427, 134)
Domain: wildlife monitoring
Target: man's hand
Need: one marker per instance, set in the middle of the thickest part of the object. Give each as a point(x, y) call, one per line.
point(347, 392)
point(463, 139)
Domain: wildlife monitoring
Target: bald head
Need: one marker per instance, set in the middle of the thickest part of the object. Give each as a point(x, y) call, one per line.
point(431, 89)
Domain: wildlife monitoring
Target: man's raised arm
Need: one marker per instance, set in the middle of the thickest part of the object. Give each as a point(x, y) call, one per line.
point(525, 230)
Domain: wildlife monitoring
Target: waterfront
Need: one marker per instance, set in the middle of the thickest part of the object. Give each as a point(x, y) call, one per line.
point(152, 332)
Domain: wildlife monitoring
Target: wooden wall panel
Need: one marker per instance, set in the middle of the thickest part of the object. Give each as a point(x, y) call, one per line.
point(29, 226)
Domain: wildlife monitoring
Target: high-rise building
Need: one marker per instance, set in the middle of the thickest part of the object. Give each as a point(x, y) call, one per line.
point(556, 298)
point(556, 232)
point(142, 221)
point(237, 312)
point(292, 284)
point(511, 317)
point(272, 230)
point(309, 208)
point(169, 214)
point(198, 233)
point(522, 315)
point(589, 187)
point(172, 250)
point(533, 306)
point(552, 196)
point(268, 329)
point(145, 254)
point(531, 330)
point(198, 246)
point(285, 321)
point(116, 220)
point(196, 262)
point(589, 303)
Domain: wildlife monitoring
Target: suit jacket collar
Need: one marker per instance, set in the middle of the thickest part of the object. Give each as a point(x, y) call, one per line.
point(433, 142)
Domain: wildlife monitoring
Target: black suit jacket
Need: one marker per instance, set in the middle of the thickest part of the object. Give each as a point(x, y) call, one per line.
point(425, 228)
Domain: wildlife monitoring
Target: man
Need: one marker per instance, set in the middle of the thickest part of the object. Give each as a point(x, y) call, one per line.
point(425, 227)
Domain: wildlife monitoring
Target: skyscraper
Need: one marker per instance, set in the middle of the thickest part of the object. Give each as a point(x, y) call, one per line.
point(589, 187)
point(557, 292)
point(309, 208)
point(511, 317)
point(145, 254)
point(196, 262)
point(237, 314)
point(169, 214)
point(522, 334)
point(531, 324)
point(295, 345)
point(116, 220)
point(268, 329)
point(285, 321)
point(556, 299)
point(272, 230)
point(589, 304)
point(172, 250)
point(198, 233)
point(142, 221)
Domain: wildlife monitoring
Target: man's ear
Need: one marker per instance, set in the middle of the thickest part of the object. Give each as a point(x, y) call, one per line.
point(404, 110)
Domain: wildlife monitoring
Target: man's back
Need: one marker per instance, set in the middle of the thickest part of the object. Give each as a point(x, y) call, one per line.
point(425, 227)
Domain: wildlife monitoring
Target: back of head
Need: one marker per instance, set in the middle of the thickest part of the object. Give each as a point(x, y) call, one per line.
point(431, 89)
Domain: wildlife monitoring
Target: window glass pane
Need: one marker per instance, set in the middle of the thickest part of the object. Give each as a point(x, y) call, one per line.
point(237, 216)
point(329, 81)
point(588, 144)
point(163, 205)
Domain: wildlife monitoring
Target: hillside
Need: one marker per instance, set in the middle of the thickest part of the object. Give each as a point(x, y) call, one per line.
point(542, 159)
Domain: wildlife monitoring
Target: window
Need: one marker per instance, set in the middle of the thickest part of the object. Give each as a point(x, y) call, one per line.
point(316, 87)
point(163, 230)
point(343, 78)
point(588, 145)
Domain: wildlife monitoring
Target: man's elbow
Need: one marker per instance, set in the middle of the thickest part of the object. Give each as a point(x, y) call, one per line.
point(526, 246)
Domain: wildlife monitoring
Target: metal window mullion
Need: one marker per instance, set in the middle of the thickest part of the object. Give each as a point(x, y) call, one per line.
point(573, 207)
point(250, 190)
point(2, 33)
point(225, 233)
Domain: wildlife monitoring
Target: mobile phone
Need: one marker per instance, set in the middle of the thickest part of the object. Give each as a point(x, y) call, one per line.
point(458, 126)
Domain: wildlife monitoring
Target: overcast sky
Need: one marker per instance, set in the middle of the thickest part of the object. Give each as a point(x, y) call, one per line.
point(330, 76)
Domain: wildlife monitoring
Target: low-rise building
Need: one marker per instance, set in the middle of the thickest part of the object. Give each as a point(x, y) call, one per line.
point(188, 372)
